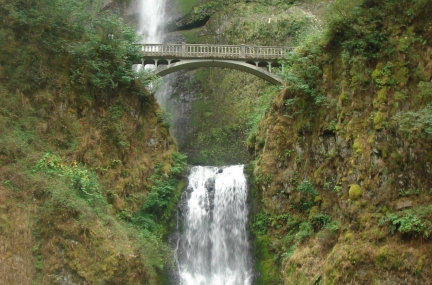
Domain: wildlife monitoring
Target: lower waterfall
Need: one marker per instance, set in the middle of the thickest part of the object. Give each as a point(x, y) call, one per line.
point(213, 248)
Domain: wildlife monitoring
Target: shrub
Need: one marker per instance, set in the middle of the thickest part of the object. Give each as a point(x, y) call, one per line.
point(307, 194)
point(260, 224)
point(412, 222)
point(416, 123)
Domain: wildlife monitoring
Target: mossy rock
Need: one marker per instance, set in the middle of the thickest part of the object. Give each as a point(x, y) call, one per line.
point(355, 192)
point(379, 120)
point(381, 98)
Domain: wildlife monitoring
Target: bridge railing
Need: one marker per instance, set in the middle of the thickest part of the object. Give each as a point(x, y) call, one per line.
point(214, 51)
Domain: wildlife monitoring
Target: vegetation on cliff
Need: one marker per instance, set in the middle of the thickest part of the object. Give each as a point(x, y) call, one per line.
point(343, 154)
point(89, 175)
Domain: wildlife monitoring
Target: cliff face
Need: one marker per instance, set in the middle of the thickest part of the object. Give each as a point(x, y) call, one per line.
point(88, 172)
point(343, 154)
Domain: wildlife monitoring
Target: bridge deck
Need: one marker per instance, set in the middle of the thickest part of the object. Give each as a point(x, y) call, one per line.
point(236, 52)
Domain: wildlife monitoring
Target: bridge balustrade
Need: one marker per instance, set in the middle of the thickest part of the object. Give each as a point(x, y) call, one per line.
point(214, 51)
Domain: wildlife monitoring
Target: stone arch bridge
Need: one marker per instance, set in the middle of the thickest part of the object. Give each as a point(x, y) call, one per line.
point(257, 60)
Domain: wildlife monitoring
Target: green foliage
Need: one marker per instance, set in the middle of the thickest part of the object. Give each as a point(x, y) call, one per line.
point(320, 220)
point(305, 231)
point(297, 230)
point(260, 223)
point(282, 28)
point(72, 34)
point(146, 79)
point(74, 192)
point(307, 194)
point(333, 226)
point(163, 195)
point(115, 112)
point(382, 77)
point(39, 261)
point(411, 222)
point(301, 73)
point(164, 117)
point(332, 126)
point(212, 145)
point(355, 30)
point(408, 192)
point(159, 196)
point(83, 181)
point(180, 163)
point(425, 89)
point(262, 104)
point(265, 179)
point(416, 123)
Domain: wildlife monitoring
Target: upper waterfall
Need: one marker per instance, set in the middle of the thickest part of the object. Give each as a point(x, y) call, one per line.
point(151, 20)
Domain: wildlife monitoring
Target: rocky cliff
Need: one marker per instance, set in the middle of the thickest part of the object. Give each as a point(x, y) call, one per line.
point(89, 174)
point(343, 153)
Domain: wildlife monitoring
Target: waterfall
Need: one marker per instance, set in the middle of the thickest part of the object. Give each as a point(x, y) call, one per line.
point(151, 27)
point(153, 14)
point(213, 248)
point(151, 20)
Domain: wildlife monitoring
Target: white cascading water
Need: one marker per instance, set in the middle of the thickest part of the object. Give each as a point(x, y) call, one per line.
point(152, 18)
point(151, 21)
point(213, 248)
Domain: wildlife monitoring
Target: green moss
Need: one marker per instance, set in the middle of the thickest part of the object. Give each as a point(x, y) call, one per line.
point(349, 237)
point(296, 276)
point(343, 97)
point(379, 120)
point(313, 212)
point(401, 76)
point(357, 146)
point(376, 73)
point(388, 257)
point(355, 192)
point(381, 98)
point(265, 264)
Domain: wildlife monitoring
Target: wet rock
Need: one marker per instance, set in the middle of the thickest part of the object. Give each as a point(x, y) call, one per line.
point(403, 205)
point(210, 184)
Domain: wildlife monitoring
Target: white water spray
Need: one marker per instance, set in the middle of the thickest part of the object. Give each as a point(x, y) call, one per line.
point(214, 248)
point(151, 21)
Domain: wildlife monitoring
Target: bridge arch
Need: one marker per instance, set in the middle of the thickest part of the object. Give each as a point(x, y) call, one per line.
point(163, 70)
